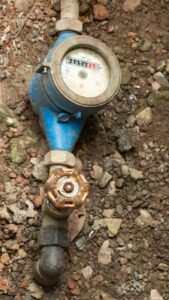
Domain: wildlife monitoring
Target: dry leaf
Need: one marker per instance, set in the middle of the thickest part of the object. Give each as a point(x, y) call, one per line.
point(76, 221)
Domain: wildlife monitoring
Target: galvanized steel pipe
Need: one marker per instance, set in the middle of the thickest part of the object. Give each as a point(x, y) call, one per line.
point(69, 9)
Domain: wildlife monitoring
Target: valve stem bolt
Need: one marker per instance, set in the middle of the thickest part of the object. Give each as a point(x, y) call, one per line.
point(68, 187)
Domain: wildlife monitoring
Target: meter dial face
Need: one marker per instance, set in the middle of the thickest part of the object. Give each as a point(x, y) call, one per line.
point(85, 72)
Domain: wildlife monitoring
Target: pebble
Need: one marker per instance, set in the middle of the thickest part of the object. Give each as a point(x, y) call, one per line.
point(103, 182)
point(126, 76)
point(9, 188)
point(38, 201)
point(124, 171)
point(22, 253)
point(130, 5)
point(105, 253)
point(145, 45)
point(56, 4)
point(40, 172)
point(144, 219)
point(126, 138)
point(80, 243)
point(87, 272)
point(167, 67)
point(155, 86)
point(2, 75)
point(163, 267)
point(113, 225)
point(4, 258)
point(135, 174)
point(145, 117)
point(108, 213)
point(22, 5)
point(112, 188)
point(100, 12)
point(160, 78)
point(35, 290)
point(155, 97)
point(154, 295)
point(97, 172)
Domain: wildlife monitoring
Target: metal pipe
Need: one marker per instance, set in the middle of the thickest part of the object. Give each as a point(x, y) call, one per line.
point(70, 9)
point(69, 17)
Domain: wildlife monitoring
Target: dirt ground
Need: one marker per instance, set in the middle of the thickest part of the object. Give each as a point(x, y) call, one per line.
point(139, 264)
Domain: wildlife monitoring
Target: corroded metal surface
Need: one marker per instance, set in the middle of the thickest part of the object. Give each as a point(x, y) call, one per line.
point(67, 188)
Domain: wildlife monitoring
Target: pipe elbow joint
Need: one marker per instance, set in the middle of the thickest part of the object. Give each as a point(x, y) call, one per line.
point(49, 268)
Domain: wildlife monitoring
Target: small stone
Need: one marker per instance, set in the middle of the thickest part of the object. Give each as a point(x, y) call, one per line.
point(40, 172)
point(123, 260)
point(113, 225)
point(87, 272)
point(56, 4)
point(130, 5)
point(144, 219)
point(4, 258)
point(108, 213)
point(29, 23)
point(98, 223)
point(167, 67)
point(75, 292)
point(112, 188)
point(100, 12)
point(98, 278)
point(97, 172)
point(11, 122)
point(126, 76)
point(38, 201)
point(9, 188)
point(163, 267)
point(135, 174)
point(4, 215)
point(22, 253)
point(126, 138)
point(2, 75)
point(160, 78)
point(35, 290)
point(50, 12)
point(145, 117)
point(71, 284)
point(22, 5)
point(155, 86)
point(117, 159)
point(18, 154)
point(104, 180)
point(80, 243)
point(145, 45)
point(155, 97)
point(83, 7)
point(105, 253)
point(161, 66)
point(124, 171)
point(154, 295)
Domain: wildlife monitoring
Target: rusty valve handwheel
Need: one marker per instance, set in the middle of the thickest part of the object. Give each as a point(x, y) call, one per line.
point(67, 188)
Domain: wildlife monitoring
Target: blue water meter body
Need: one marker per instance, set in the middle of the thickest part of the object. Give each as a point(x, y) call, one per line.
point(61, 127)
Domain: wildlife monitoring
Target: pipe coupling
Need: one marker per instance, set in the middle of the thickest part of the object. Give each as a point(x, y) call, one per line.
point(69, 24)
point(59, 157)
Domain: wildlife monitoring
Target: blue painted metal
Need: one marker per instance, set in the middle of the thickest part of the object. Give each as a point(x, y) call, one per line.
point(62, 121)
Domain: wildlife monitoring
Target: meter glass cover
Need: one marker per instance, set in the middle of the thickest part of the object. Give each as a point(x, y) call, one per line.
point(85, 72)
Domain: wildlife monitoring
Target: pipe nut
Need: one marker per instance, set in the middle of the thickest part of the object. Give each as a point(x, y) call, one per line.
point(59, 157)
point(69, 24)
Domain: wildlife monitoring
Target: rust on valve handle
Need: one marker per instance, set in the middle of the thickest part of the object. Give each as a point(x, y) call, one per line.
point(67, 188)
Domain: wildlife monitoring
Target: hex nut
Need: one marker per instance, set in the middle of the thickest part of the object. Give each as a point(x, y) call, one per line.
point(59, 157)
point(69, 24)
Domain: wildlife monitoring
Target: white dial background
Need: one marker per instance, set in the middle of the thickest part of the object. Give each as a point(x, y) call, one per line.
point(85, 81)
